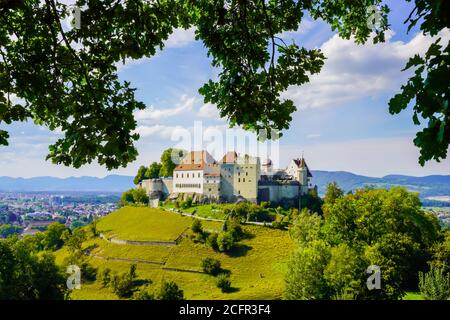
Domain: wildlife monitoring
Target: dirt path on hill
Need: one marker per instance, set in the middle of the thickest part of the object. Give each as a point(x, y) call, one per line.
point(142, 261)
point(123, 259)
point(138, 242)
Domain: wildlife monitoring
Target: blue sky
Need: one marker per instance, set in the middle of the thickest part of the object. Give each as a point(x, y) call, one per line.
point(342, 121)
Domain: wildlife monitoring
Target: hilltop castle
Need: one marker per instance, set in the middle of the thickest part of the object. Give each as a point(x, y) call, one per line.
point(233, 178)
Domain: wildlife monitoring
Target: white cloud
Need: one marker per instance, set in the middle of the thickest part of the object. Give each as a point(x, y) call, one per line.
point(371, 157)
point(151, 114)
point(160, 131)
point(15, 99)
point(352, 71)
point(208, 110)
point(180, 38)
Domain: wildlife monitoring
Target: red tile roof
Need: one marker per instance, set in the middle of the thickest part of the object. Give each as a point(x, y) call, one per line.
point(229, 157)
point(187, 167)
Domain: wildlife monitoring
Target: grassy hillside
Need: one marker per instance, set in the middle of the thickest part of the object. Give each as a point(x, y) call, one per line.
point(256, 264)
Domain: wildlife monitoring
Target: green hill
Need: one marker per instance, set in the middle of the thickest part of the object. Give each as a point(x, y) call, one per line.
point(256, 264)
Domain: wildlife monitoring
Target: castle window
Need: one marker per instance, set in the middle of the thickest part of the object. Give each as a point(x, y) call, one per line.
point(176, 175)
point(246, 173)
point(199, 174)
point(182, 175)
point(239, 180)
point(243, 179)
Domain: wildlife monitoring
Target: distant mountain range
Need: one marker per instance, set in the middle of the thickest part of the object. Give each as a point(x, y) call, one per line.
point(428, 186)
point(111, 183)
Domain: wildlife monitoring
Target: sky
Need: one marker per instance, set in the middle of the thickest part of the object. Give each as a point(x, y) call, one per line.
point(342, 121)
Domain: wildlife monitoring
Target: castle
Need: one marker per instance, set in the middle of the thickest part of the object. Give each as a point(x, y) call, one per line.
point(232, 179)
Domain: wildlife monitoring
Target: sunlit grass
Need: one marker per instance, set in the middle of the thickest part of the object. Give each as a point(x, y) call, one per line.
point(144, 224)
point(256, 265)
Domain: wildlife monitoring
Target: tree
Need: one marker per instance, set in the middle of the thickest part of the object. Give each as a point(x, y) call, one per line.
point(53, 239)
point(196, 226)
point(74, 241)
point(169, 160)
point(126, 198)
point(26, 274)
point(225, 241)
point(306, 227)
point(435, 284)
point(386, 228)
point(141, 175)
point(73, 84)
point(136, 196)
point(211, 241)
point(105, 277)
point(312, 201)
point(345, 273)
point(140, 196)
point(223, 282)
point(93, 228)
point(441, 254)
point(143, 294)
point(211, 266)
point(169, 290)
point(304, 280)
point(123, 285)
point(153, 171)
point(7, 230)
point(429, 87)
point(332, 193)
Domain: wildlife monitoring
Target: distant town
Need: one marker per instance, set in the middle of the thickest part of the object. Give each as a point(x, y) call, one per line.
point(27, 213)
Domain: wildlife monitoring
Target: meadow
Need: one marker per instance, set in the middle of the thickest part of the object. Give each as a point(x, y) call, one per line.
point(256, 264)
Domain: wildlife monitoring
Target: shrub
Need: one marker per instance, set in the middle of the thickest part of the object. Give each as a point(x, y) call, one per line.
point(277, 225)
point(144, 294)
point(186, 204)
point(170, 291)
point(199, 237)
point(225, 241)
point(88, 272)
point(93, 229)
point(223, 282)
point(140, 196)
point(235, 230)
point(123, 284)
point(265, 204)
point(211, 241)
point(240, 210)
point(435, 284)
point(105, 277)
point(196, 226)
point(211, 266)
